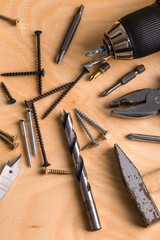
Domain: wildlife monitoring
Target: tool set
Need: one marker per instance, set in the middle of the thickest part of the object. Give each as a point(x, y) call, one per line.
point(133, 36)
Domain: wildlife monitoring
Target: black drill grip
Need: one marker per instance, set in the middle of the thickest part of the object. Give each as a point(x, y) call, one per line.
point(143, 29)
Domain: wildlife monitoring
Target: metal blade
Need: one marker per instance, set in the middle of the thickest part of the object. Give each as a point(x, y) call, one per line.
point(8, 175)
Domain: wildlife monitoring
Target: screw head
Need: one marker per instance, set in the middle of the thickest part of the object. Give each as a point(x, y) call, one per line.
point(42, 72)
point(38, 33)
point(22, 120)
point(12, 101)
point(28, 110)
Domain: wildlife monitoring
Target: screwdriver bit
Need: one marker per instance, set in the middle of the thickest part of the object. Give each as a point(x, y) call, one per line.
point(127, 78)
point(70, 35)
point(102, 69)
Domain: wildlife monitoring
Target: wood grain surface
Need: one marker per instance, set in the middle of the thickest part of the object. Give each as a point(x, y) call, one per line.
point(44, 207)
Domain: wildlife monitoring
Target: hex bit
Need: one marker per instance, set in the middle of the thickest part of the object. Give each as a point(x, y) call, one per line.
point(127, 78)
point(142, 137)
point(70, 34)
point(80, 172)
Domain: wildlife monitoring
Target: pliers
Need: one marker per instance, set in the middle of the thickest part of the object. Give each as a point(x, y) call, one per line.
point(142, 103)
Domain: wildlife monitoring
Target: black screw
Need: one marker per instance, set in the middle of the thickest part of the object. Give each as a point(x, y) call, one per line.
point(38, 33)
point(23, 73)
point(85, 70)
point(11, 99)
point(46, 163)
point(48, 93)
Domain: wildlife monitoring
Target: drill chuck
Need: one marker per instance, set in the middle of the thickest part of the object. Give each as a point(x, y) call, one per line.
point(136, 35)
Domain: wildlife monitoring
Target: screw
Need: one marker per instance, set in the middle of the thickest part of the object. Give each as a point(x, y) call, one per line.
point(31, 131)
point(47, 94)
point(13, 138)
point(26, 141)
point(38, 33)
point(11, 99)
point(41, 72)
point(85, 70)
point(91, 121)
point(46, 163)
point(13, 145)
point(102, 137)
point(56, 171)
point(11, 20)
point(95, 144)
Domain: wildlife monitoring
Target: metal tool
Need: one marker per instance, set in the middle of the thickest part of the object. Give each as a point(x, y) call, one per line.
point(70, 34)
point(31, 131)
point(137, 189)
point(84, 71)
point(142, 137)
point(8, 175)
point(26, 141)
point(133, 36)
point(146, 102)
point(81, 172)
point(101, 70)
point(127, 78)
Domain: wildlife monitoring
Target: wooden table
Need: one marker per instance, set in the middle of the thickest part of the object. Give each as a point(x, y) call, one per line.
point(43, 207)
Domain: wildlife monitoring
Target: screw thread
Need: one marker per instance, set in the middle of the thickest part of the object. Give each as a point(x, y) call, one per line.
point(85, 70)
point(39, 136)
point(101, 138)
point(91, 121)
point(12, 137)
point(11, 20)
point(56, 171)
point(39, 60)
point(86, 129)
point(10, 74)
point(48, 93)
point(11, 99)
point(13, 145)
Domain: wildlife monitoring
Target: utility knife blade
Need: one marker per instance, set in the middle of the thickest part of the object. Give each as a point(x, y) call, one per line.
point(8, 176)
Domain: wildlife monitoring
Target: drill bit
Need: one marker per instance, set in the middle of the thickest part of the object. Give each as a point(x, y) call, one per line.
point(81, 172)
point(102, 69)
point(70, 35)
point(96, 61)
point(96, 51)
point(127, 78)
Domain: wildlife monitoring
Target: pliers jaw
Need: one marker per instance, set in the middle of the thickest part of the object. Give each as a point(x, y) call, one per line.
point(143, 103)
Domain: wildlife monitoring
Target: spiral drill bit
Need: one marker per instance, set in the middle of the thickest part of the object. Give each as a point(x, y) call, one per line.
point(81, 172)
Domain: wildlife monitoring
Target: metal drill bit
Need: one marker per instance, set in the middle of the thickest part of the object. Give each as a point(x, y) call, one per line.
point(70, 35)
point(127, 78)
point(96, 61)
point(96, 51)
point(102, 69)
point(81, 171)
point(142, 137)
